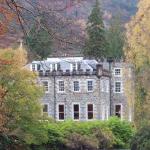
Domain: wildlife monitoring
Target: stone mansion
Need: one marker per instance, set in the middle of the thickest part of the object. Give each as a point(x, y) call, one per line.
point(83, 89)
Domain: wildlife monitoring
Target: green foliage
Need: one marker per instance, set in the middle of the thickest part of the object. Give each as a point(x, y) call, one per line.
point(71, 135)
point(22, 99)
point(39, 42)
point(11, 142)
point(141, 140)
point(122, 131)
point(95, 45)
point(115, 38)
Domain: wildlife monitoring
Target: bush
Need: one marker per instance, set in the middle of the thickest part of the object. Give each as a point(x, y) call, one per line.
point(93, 135)
point(76, 141)
point(141, 140)
point(123, 132)
point(86, 135)
point(11, 142)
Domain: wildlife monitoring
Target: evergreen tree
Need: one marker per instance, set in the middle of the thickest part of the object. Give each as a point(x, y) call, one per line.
point(115, 38)
point(39, 42)
point(95, 45)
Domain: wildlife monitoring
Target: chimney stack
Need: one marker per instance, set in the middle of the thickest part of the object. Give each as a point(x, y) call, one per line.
point(99, 70)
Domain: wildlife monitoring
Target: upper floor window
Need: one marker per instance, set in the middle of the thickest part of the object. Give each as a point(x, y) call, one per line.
point(90, 85)
point(118, 87)
point(58, 66)
point(117, 71)
point(76, 86)
point(53, 67)
point(61, 86)
point(45, 84)
point(78, 66)
point(38, 67)
point(74, 66)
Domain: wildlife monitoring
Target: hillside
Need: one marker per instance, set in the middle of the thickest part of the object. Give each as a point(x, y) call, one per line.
point(77, 11)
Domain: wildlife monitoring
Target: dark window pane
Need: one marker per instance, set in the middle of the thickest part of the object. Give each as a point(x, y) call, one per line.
point(76, 115)
point(61, 108)
point(90, 115)
point(118, 110)
point(58, 66)
point(90, 111)
point(76, 107)
point(38, 67)
point(45, 108)
point(90, 107)
point(76, 111)
point(61, 116)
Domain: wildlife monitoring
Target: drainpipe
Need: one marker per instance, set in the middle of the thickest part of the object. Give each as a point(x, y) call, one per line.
point(54, 95)
point(110, 60)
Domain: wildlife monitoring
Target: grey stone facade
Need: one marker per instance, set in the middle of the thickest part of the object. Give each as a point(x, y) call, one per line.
point(85, 90)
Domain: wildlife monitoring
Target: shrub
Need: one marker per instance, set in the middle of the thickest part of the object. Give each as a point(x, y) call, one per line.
point(141, 140)
point(76, 141)
point(122, 130)
point(88, 135)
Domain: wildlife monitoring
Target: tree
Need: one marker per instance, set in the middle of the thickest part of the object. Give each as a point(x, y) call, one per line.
point(95, 45)
point(137, 52)
point(141, 140)
point(39, 41)
point(6, 17)
point(115, 38)
point(20, 107)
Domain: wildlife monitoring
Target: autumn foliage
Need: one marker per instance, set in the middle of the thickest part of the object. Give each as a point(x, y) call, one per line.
point(7, 15)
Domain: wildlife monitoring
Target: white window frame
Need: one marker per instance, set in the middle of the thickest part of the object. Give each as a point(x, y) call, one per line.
point(47, 85)
point(75, 65)
point(92, 85)
point(87, 112)
point(121, 87)
point(35, 67)
point(55, 66)
point(79, 86)
point(47, 108)
point(58, 87)
point(117, 75)
point(121, 117)
point(58, 111)
point(73, 111)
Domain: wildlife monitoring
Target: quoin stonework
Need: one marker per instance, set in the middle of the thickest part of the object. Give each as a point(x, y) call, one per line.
point(83, 89)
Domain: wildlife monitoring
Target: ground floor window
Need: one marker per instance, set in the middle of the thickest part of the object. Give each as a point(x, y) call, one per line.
point(76, 112)
point(61, 112)
point(45, 109)
point(90, 111)
point(118, 110)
